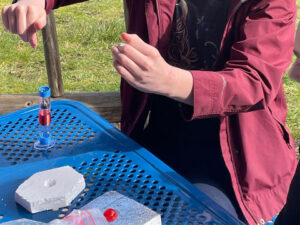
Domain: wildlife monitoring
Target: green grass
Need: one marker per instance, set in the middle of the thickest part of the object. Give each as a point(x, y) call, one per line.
point(292, 91)
point(86, 31)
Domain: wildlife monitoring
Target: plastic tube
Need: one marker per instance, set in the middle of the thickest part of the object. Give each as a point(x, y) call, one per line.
point(45, 141)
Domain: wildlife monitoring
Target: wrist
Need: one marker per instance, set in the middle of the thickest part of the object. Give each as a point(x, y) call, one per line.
point(39, 3)
point(181, 85)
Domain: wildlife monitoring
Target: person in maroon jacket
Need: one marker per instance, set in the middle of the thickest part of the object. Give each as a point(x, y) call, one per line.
point(202, 89)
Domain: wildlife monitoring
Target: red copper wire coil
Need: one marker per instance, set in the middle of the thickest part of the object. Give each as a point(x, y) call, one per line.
point(45, 117)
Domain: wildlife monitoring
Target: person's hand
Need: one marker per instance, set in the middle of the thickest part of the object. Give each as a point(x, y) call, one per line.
point(24, 18)
point(142, 66)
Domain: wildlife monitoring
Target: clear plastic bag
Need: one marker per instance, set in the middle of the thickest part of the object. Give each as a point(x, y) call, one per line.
point(82, 217)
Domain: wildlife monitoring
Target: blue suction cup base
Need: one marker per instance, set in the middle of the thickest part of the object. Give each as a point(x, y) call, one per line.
point(40, 146)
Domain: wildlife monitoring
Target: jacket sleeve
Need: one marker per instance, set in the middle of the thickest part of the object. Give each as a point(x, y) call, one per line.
point(260, 54)
point(53, 4)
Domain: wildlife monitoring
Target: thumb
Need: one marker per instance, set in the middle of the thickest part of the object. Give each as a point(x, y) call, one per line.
point(31, 37)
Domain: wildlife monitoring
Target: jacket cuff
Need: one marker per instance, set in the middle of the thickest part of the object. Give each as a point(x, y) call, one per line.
point(207, 87)
point(49, 5)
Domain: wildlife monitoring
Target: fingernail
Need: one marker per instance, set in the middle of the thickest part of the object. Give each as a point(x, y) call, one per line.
point(125, 37)
point(113, 48)
point(121, 45)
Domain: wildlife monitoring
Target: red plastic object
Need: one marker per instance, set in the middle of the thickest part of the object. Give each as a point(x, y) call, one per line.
point(45, 117)
point(110, 215)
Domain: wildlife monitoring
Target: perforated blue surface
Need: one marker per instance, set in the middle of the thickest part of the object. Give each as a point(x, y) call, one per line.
point(108, 160)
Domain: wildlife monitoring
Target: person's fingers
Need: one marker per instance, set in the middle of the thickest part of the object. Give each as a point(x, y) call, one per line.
point(126, 37)
point(31, 36)
point(137, 43)
point(20, 13)
point(24, 21)
point(5, 17)
point(124, 72)
point(24, 37)
point(32, 17)
point(12, 20)
point(126, 62)
point(134, 55)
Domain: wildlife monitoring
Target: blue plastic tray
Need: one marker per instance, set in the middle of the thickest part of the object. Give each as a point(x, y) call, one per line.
point(108, 159)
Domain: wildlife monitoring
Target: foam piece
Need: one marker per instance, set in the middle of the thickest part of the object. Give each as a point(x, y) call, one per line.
point(23, 222)
point(50, 189)
point(129, 211)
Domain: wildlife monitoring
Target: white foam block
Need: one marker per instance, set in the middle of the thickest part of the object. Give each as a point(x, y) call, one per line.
point(129, 211)
point(23, 222)
point(50, 189)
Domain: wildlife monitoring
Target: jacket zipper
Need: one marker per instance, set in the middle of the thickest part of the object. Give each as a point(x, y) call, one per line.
point(226, 118)
point(235, 170)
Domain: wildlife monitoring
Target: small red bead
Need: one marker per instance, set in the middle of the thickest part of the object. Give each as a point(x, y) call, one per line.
point(110, 215)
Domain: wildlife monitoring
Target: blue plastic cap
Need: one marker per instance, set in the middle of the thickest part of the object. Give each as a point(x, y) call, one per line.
point(44, 92)
point(45, 140)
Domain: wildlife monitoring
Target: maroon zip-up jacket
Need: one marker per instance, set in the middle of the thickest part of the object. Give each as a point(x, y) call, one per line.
point(246, 93)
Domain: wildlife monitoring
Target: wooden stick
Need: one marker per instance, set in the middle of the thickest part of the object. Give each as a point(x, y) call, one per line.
point(126, 14)
point(51, 52)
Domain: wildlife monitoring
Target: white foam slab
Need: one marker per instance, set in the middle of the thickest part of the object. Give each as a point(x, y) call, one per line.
point(50, 189)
